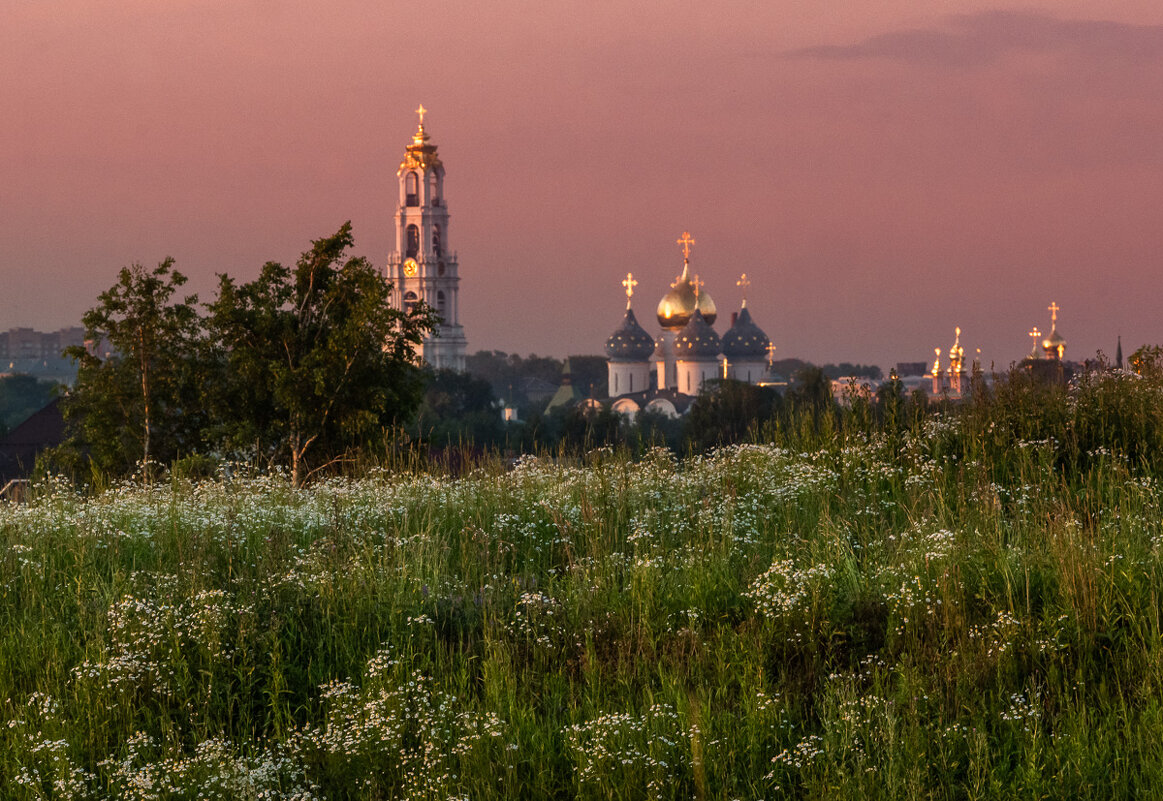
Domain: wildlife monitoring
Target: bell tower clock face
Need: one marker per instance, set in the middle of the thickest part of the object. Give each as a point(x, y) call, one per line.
point(410, 268)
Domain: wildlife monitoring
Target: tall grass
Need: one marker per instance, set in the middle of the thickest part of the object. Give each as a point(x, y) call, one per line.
point(965, 608)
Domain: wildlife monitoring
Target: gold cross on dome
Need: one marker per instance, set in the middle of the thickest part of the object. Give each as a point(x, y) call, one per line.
point(744, 282)
point(697, 283)
point(686, 241)
point(770, 352)
point(629, 283)
point(421, 111)
point(1054, 308)
point(1034, 334)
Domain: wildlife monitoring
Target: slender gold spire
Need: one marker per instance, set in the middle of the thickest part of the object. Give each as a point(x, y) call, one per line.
point(420, 137)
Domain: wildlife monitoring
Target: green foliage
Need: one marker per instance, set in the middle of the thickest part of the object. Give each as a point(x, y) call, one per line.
point(301, 366)
point(508, 374)
point(21, 396)
point(949, 610)
point(728, 411)
point(317, 360)
point(140, 404)
point(458, 408)
point(811, 391)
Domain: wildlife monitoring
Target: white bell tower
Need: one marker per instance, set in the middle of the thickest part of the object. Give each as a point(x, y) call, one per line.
point(422, 267)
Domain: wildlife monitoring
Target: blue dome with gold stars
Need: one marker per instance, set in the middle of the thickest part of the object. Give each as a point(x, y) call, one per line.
point(744, 339)
point(697, 340)
point(629, 342)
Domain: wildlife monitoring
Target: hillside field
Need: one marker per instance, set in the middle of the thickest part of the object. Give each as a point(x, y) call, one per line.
point(945, 611)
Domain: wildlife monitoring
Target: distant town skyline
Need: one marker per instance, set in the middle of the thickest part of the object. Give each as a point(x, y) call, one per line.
point(881, 174)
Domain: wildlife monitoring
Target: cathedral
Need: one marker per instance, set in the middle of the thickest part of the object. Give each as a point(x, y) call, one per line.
point(665, 373)
point(422, 268)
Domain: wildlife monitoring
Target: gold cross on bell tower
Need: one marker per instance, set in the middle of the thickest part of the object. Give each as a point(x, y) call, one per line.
point(629, 283)
point(421, 111)
point(1034, 334)
point(686, 241)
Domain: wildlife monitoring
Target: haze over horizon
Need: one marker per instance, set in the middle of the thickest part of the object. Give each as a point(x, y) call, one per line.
point(881, 174)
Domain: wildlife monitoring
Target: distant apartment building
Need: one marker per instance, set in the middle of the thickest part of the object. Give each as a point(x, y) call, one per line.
point(40, 353)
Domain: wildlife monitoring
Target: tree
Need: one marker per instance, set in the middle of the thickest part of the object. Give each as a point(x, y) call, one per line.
point(316, 358)
point(728, 411)
point(21, 396)
point(811, 390)
point(458, 408)
point(139, 403)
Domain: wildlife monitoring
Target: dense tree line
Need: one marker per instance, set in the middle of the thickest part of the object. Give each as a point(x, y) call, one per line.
point(298, 367)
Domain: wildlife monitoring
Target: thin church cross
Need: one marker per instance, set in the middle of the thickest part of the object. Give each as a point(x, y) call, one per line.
point(421, 111)
point(1054, 308)
point(686, 241)
point(629, 283)
point(744, 282)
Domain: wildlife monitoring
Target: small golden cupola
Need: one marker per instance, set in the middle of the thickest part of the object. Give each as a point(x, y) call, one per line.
point(678, 305)
point(421, 154)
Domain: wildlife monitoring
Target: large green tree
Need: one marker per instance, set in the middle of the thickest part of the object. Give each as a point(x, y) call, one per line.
point(315, 359)
point(139, 402)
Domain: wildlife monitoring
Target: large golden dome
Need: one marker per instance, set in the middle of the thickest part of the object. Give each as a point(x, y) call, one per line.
point(678, 305)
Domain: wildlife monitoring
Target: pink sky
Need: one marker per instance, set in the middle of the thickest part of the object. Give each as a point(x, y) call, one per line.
point(881, 172)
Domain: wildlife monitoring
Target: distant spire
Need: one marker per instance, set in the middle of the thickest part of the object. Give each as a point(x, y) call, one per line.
point(1119, 353)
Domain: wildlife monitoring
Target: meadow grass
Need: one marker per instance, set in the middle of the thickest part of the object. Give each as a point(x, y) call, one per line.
point(912, 614)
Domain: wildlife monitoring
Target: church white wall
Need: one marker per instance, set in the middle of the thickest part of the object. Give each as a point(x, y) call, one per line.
point(667, 369)
point(692, 374)
point(628, 377)
point(749, 371)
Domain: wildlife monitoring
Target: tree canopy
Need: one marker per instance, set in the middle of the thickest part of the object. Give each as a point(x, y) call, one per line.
point(138, 404)
point(300, 364)
point(316, 357)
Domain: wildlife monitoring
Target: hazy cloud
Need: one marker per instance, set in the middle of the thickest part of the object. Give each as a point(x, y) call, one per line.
point(972, 40)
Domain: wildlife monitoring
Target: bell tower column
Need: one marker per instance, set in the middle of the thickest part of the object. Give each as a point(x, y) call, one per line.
point(423, 268)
